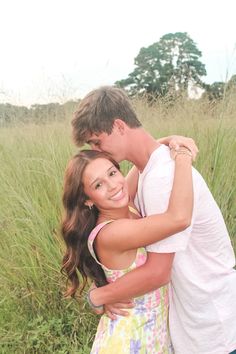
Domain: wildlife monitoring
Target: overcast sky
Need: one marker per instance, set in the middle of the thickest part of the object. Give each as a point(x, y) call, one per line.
point(53, 50)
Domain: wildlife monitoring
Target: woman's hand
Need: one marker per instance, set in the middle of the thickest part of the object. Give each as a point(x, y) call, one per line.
point(176, 141)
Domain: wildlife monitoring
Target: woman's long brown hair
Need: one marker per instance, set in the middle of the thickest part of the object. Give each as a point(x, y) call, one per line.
point(78, 222)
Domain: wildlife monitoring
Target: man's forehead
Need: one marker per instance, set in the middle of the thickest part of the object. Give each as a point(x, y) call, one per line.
point(94, 137)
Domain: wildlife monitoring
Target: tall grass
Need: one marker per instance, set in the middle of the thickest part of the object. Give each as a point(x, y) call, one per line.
point(34, 316)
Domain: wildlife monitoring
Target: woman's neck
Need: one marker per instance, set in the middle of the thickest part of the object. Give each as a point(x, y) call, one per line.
point(114, 214)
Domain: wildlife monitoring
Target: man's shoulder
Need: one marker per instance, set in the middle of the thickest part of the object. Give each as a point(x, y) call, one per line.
point(159, 160)
point(161, 153)
point(162, 174)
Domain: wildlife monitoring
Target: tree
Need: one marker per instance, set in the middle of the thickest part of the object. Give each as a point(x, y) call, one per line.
point(214, 91)
point(231, 85)
point(170, 65)
point(219, 89)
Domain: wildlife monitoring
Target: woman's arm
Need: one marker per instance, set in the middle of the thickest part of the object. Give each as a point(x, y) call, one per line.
point(126, 234)
point(132, 180)
point(177, 141)
point(173, 141)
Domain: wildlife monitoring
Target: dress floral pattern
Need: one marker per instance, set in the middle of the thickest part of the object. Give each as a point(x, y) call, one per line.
point(145, 330)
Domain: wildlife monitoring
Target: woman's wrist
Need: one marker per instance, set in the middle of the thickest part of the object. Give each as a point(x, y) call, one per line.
point(182, 153)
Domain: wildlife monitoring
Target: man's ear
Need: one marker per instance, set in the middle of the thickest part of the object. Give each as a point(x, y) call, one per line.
point(120, 125)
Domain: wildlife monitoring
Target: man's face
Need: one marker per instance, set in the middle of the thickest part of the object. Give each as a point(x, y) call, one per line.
point(109, 143)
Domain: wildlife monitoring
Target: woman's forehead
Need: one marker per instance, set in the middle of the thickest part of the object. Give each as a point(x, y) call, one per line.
point(97, 169)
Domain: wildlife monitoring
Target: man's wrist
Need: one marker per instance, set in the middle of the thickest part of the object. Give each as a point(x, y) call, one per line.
point(91, 298)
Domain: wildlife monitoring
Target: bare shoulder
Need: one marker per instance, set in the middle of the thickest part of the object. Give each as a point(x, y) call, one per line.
point(113, 233)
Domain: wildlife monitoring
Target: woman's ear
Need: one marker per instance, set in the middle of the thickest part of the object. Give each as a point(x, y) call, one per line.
point(88, 203)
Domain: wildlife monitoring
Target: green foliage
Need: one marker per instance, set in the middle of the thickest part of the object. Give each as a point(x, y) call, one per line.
point(65, 333)
point(231, 86)
point(167, 66)
point(215, 91)
point(219, 90)
point(37, 113)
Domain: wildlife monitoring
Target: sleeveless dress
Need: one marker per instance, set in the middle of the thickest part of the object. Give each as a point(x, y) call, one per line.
point(145, 330)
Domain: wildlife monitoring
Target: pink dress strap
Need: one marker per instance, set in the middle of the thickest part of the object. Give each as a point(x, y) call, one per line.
point(92, 237)
point(95, 232)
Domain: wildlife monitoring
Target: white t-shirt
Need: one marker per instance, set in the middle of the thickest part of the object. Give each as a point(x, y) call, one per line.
point(203, 281)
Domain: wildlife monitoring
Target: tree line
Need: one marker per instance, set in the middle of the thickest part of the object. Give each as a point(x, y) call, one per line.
point(37, 113)
point(170, 67)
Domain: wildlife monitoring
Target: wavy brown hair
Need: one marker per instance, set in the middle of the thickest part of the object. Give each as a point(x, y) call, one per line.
point(77, 223)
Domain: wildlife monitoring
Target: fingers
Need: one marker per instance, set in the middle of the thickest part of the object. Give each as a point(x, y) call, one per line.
point(112, 310)
point(189, 143)
point(111, 315)
point(174, 144)
point(122, 305)
point(98, 312)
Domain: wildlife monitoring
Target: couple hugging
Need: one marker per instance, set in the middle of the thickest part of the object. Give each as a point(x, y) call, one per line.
point(154, 242)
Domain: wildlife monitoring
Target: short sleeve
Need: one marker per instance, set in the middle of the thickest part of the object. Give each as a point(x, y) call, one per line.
point(156, 191)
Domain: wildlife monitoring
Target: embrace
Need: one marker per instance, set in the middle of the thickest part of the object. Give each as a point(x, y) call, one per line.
point(154, 243)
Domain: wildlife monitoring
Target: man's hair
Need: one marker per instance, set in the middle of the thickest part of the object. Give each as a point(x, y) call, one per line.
point(98, 110)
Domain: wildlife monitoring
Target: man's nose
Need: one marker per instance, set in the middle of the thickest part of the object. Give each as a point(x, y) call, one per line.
point(95, 147)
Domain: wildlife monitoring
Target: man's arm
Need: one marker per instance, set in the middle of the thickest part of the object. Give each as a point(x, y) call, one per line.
point(153, 274)
point(156, 272)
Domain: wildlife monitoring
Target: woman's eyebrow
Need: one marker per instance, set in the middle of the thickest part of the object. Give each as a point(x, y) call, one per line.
point(97, 178)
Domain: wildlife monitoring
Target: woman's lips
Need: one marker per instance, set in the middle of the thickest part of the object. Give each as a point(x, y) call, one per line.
point(119, 195)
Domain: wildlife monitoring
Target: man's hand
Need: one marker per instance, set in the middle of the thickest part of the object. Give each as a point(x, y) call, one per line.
point(97, 310)
point(176, 141)
point(112, 310)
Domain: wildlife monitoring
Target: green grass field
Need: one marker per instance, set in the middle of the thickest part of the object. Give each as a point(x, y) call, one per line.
point(34, 316)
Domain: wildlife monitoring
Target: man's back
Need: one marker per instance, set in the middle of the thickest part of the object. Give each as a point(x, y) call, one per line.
point(203, 291)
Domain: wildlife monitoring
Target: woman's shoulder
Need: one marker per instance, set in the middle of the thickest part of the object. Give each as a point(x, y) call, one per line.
point(92, 236)
point(97, 229)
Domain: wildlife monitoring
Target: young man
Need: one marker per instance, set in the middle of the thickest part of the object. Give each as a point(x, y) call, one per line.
point(199, 261)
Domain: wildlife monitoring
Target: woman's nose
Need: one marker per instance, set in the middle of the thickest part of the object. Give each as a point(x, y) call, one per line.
point(111, 185)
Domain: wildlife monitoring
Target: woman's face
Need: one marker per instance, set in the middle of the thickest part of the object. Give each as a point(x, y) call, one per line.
point(104, 185)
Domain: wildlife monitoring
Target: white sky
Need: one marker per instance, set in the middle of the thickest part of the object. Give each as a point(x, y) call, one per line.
point(53, 50)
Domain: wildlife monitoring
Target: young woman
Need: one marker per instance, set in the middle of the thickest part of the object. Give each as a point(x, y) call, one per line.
point(105, 238)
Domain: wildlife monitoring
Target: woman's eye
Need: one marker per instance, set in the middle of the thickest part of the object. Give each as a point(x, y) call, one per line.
point(98, 185)
point(112, 173)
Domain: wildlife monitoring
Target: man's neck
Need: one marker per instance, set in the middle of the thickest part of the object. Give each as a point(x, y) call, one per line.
point(141, 146)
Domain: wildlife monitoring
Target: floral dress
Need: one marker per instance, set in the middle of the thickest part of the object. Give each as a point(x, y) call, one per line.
point(145, 330)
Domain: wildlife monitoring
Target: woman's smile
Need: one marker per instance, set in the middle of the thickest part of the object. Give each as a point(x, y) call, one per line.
point(119, 195)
